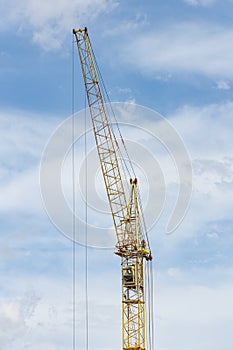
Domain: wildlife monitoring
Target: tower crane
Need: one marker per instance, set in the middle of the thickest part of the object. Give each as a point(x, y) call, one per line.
point(132, 244)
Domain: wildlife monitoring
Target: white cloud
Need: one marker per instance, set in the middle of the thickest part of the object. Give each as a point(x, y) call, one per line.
point(182, 48)
point(211, 157)
point(33, 319)
point(207, 135)
point(50, 22)
point(21, 193)
point(23, 136)
point(199, 300)
point(195, 315)
point(14, 314)
point(206, 132)
point(200, 2)
point(223, 85)
point(125, 26)
point(183, 303)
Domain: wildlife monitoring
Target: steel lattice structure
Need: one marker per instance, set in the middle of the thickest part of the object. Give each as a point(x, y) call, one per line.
point(131, 245)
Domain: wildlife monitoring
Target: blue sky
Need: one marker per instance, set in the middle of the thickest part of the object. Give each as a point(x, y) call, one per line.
point(174, 57)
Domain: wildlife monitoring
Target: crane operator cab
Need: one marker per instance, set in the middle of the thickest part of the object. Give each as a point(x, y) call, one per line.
point(129, 276)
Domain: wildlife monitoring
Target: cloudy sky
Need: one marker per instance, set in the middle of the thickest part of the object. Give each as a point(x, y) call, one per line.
point(173, 57)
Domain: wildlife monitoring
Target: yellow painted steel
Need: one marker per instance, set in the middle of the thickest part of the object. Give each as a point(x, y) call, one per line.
point(131, 245)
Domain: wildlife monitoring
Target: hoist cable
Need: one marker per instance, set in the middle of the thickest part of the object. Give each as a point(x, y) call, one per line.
point(143, 218)
point(149, 304)
point(150, 269)
point(149, 307)
point(109, 104)
point(86, 230)
point(121, 159)
point(114, 116)
point(124, 172)
point(73, 206)
point(152, 304)
point(123, 162)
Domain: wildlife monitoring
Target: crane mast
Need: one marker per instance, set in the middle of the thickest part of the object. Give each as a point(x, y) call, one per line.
point(131, 244)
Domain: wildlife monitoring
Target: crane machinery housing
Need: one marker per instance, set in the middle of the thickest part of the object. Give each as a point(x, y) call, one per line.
point(132, 242)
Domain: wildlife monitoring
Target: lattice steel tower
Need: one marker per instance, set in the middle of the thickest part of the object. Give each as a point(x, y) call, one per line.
point(132, 243)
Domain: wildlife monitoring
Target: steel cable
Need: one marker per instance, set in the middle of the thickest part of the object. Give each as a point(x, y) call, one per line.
point(73, 207)
point(86, 227)
point(115, 119)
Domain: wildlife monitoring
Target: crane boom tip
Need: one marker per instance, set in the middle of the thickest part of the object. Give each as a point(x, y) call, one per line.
point(75, 31)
